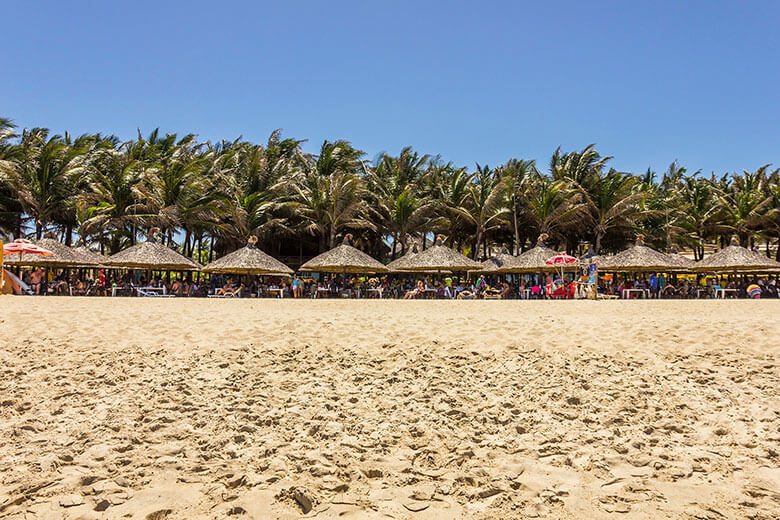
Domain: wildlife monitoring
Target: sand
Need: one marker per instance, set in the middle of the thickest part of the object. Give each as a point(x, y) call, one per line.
point(190, 409)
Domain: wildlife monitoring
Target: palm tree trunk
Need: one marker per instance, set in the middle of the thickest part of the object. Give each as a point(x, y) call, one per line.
point(477, 243)
point(68, 234)
point(38, 230)
point(516, 248)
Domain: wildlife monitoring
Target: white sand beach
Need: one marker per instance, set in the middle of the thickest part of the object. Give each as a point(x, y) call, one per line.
point(255, 409)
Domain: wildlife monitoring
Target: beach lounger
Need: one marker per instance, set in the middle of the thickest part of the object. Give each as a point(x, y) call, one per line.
point(236, 293)
point(151, 294)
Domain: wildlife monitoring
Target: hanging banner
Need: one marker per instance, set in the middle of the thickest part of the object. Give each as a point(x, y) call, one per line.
point(593, 273)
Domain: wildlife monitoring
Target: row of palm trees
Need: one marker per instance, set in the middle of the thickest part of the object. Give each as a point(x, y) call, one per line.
point(207, 198)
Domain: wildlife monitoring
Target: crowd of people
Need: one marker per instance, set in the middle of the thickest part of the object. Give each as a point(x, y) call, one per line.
point(100, 283)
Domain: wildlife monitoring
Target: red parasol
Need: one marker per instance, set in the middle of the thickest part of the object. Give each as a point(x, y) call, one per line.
point(22, 246)
point(562, 260)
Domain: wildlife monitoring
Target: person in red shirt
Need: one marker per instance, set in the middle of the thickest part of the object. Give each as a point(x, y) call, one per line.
point(102, 282)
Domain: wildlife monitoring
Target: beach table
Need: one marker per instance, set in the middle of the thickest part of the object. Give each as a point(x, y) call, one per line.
point(527, 293)
point(377, 291)
point(429, 292)
point(151, 291)
point(699, 291)
point(278, 291)
point(721, 293)
point(321, 292)
point(627, 293)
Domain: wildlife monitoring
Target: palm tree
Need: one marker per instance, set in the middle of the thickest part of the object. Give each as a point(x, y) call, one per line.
point(171, 184)
point(449, 189)
point(10, 155)
point(394, 196)
point(44, 176)
point(745, 204)
point(518, 173)
point(253, 189)
point(700, 213)
point(108, 207)
point(329, 195)
point(581, 169)
point(486, 205)
point(613, 204)
point(552, 207)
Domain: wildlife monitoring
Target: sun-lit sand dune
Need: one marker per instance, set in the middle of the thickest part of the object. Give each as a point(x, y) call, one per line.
point(190, 409)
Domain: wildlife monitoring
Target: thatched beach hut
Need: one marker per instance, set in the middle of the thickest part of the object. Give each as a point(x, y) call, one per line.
point(344, 259)
point(91, 255)
point(494, 264)
point(248, 260)
point(397, 265)
point(680, 263)
point(737, 259)
point(636, 259)
point(532, 261)
point(440, 258)
point(151, 256)
point(62, 256)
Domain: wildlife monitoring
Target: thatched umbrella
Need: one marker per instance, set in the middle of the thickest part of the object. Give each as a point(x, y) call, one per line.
point(93, 256)
point(680, 263)
point(638, 258)
point(494, 263)
point(439, 258)
point(737, 259)
point(532, 261)
point(344, 259)
point(248, 260)
point(397, 265)
point(62, 256)
point(151, 255)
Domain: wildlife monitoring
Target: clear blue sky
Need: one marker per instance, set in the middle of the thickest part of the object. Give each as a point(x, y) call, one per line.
point(473, 81)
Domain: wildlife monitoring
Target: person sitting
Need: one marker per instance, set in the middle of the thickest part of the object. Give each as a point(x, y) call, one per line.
point(226, 289)
point(418, 290)
point(669, 291)
point(467, 294)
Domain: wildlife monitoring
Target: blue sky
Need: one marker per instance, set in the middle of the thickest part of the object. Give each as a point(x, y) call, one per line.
point(649, 82)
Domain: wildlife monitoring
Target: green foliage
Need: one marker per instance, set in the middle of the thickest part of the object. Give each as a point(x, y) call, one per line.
point(197, 193)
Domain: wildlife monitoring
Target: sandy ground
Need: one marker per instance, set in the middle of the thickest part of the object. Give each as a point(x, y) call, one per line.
point(188, 409)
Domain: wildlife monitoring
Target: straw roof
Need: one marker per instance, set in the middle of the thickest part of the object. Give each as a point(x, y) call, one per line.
point(637, 258)
point(95, 257)
point(151, 255)
point(62, 256)
point(532, 261)
point(248, 260)
point(680, 262)
point(344, 259)
point(398, 264)
point(734, 259)
point(438, 258)
point(495, 262)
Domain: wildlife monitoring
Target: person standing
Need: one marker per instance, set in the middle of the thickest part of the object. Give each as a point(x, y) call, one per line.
point(35, 280)
point(653, 281)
